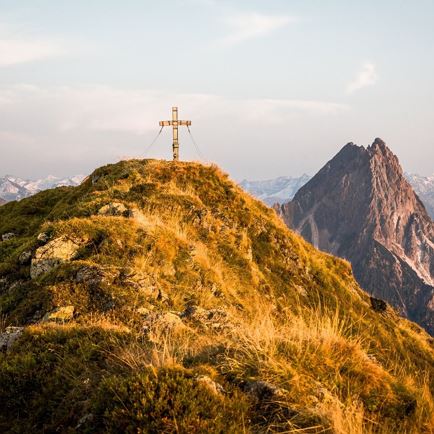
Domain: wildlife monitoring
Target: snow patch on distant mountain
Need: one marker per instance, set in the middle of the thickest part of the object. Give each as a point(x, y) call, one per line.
point(280, 189)
point(15, 188)
point(424, 188)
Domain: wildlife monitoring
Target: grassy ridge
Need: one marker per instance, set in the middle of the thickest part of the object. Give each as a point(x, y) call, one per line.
point(266, 308)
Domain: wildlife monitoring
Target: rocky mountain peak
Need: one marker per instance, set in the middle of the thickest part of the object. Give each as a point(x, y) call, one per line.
point(379, 144)
point(361, 207)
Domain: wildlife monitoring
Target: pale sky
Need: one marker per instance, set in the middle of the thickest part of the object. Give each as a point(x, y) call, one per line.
point(272, 87)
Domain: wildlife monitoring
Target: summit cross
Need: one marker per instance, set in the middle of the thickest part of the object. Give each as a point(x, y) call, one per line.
point(175, 123)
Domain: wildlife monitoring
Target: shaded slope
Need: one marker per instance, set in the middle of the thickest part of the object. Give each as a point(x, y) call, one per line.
point(169, 281)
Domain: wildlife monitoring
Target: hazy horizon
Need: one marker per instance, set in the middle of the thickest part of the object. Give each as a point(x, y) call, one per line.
point(273, 89)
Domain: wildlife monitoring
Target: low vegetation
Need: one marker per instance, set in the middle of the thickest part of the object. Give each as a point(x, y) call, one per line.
point(184, 305)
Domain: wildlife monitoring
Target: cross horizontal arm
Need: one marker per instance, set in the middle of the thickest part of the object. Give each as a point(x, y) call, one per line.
point(168, 123)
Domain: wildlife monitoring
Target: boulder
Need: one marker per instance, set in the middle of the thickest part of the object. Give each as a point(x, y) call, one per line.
point(60, 315)
point(378, 305)
point(8, 236)
point(49, 256)
point(114, 209)
point(25, 257)
point(9, 336)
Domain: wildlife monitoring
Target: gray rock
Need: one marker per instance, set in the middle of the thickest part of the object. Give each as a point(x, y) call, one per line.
point(8, 236)
point(25, 257)
point(9, 336)
point(114, 209)
point(49, 256)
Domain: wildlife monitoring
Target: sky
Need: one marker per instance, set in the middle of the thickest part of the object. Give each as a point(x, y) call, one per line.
point(272, 87)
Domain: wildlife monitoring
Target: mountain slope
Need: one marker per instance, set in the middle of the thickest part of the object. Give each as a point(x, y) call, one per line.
point(360, 207)
point(158, 297)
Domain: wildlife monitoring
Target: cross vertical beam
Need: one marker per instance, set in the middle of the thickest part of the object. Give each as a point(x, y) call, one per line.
point(175, 133)
point(175, 123)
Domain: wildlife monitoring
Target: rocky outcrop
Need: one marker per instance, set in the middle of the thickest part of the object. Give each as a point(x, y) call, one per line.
point(52, 254)
point(114, 209)
point(9, 336)
point(360, 206)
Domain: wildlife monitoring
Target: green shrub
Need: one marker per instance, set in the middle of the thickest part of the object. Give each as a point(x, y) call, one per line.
point(165, 401)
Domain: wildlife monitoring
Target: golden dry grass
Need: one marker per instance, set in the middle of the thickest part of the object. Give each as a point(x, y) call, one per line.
point(296, 318)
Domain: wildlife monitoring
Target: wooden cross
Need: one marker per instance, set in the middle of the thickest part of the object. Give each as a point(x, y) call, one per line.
point(175, 123)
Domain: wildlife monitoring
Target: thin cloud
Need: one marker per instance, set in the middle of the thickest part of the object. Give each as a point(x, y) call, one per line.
point(16, 51)
point(103, 108)
point(243, 27)
point(366, 77)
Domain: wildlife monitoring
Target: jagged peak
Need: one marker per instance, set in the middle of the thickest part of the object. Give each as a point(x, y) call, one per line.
point(378, 145)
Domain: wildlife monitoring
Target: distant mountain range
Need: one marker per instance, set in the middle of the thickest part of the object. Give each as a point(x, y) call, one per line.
point(270, 191)
point(284, 188)
point(275, 190)
point(15, 188)
point(424, 187)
